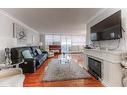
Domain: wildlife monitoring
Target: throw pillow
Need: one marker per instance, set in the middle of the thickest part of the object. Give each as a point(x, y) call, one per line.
point(38, 51)
point(26, 54)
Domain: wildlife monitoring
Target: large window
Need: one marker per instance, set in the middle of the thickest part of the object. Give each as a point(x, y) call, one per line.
point(56, 39)
point(62, 39)
point(48, 39)
point(66, 41)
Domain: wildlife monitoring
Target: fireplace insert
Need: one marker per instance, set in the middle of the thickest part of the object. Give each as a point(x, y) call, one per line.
point(94, 67)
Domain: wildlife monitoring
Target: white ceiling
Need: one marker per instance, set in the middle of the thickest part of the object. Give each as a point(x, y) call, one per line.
point(55, 20)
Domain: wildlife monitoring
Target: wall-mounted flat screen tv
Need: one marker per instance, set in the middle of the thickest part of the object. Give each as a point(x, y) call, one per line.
point(107, 29)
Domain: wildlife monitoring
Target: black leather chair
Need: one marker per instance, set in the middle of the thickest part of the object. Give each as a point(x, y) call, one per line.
point(30, 64)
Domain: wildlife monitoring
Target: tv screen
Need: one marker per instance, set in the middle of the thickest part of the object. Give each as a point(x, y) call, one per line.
point(108, 29)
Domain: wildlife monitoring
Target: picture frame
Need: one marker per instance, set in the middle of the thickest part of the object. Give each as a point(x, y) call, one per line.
point(19, 32)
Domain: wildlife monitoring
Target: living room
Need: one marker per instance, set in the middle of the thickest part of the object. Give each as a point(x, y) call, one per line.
point(32, 51)
point(75, 49)
point(54, 48)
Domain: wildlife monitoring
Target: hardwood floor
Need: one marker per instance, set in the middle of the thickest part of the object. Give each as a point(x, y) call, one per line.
point(35, 79)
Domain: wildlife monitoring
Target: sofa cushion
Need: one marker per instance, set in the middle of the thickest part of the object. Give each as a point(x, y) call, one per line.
point(26, 54)
point(16, 53)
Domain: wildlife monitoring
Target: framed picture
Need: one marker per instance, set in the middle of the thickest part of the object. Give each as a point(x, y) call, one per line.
point(19, 32)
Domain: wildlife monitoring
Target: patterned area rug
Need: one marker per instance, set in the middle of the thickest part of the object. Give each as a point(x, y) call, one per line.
point(55, 71)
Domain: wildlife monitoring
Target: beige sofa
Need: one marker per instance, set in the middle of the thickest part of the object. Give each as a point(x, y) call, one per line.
point(12, 77)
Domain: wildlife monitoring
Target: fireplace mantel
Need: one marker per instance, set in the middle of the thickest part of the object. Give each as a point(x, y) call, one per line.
point(111, 56)
point(111, 67)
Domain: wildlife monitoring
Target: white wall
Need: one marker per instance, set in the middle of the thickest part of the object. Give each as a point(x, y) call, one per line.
point(100, 17)
point(6, 34)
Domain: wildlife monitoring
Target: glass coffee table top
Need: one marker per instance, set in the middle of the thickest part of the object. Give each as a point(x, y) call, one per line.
point(64, 59)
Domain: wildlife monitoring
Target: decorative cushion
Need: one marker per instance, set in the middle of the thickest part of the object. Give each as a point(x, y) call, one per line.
point(39, 51)
point(34, 51)
point(27, 54)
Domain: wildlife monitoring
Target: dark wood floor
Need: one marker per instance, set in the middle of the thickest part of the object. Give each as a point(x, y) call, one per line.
point(35, 79)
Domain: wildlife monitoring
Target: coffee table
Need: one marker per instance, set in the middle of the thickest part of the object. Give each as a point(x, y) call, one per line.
point(64, 59)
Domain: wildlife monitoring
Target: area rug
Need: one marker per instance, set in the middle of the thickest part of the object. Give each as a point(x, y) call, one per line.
point(55, 71)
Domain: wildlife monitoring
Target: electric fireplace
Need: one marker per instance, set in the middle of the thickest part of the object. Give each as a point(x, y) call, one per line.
point(94, 67)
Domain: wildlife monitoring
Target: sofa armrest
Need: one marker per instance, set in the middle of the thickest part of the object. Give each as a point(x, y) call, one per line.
point(10, 72)
point(29, 61)
point(11, 77)
point(29, 65)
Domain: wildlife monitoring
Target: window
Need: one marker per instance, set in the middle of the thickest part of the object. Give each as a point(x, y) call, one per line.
point(65, 41)
point(48, 39)
point(56, 39)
